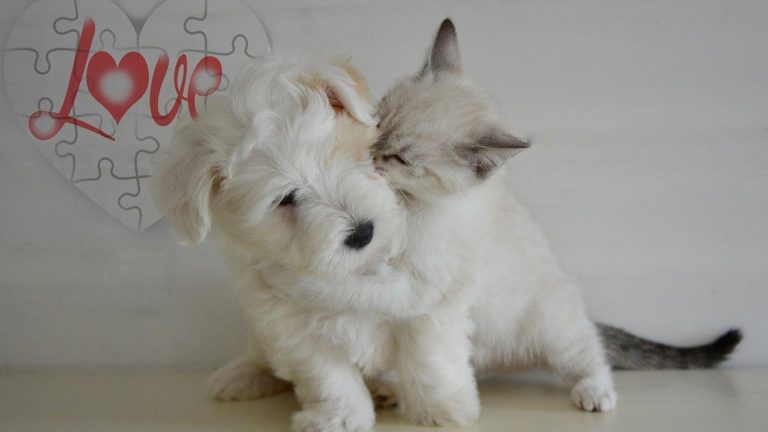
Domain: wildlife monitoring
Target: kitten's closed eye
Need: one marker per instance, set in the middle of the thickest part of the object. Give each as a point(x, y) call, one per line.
point(395, 158)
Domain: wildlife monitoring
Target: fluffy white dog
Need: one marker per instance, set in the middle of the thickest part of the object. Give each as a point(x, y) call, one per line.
point(280, 171)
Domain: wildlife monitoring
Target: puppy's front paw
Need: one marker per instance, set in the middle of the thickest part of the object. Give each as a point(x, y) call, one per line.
point(594, 394)
point(242, 379)
point(382, 394)
point(460, 410)
point(332, 420)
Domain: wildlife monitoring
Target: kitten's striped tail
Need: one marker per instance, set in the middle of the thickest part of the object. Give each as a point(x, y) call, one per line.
point(627, 351)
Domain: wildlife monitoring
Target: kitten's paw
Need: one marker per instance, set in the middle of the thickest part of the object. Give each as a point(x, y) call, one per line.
point(382, 394)
point(332, 420)
point(594, 394)
point(459, 410)
point(242, 379)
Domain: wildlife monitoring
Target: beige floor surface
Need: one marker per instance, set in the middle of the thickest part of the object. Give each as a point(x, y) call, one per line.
point(680, 401)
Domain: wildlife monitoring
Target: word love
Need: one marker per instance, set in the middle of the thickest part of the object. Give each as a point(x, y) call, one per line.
point(117, 87)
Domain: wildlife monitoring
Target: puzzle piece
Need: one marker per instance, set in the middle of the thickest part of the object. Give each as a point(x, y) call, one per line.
point(140, 203)
point(56, 150)
point(105, 13)
point(153, 143)
point(238, 36)
point(108, 40)
point(140, 200)
point(49, 37)
point(220, 39)
point(106, 188)
point(25, 94)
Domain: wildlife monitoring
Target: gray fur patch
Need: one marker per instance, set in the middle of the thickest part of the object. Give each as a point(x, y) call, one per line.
point(627, 351)
point(445, 51)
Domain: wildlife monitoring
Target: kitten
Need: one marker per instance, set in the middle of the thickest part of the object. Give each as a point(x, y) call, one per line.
point(443, 146)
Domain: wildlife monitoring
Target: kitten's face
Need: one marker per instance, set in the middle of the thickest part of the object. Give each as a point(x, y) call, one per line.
point(439, 132)
point(429, 134)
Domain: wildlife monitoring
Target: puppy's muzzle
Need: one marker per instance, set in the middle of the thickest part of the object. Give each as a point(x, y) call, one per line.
point(360, 236)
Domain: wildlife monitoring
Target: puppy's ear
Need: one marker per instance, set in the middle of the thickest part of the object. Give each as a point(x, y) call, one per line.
point(184, 183)
point(347, 91)
point(490, 151)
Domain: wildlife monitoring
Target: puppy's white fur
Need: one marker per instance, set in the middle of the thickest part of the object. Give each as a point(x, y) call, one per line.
point(317, 309)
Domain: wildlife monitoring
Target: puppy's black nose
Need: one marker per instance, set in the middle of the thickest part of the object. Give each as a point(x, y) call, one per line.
point(361, 236)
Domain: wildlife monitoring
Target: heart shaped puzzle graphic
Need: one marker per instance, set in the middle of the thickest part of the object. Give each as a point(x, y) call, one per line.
point(98, 92)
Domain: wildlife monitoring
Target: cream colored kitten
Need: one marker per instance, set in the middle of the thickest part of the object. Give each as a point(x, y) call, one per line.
point(443, 146)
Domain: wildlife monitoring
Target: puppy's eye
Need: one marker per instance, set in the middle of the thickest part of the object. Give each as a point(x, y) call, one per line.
point(289, 199)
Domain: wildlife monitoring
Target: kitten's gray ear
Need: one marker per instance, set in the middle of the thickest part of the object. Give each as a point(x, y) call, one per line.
point(444, 55)
point(491, 151)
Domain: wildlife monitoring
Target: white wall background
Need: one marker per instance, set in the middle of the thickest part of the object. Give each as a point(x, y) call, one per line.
point(649, 172)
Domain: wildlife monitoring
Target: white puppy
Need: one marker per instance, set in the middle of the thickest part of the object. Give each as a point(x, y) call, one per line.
point(280, 171)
